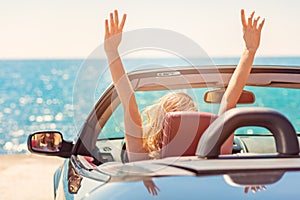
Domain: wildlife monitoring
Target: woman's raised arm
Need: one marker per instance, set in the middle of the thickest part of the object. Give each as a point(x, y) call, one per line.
point(251, 35)
point(132, 117)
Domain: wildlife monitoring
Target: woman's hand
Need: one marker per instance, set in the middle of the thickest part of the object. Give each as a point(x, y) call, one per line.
point(255, 189)
point(151, 187)
point(251, 31)
point(113, 32)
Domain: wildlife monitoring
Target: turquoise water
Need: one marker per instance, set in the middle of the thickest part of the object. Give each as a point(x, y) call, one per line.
point(38, 95)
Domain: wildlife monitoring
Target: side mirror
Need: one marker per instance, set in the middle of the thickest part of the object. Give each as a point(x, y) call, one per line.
point(215, 96)
point(49, 143)
point(46, 141)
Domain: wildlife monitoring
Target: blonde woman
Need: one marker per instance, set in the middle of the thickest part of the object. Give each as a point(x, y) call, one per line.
point(143, 141)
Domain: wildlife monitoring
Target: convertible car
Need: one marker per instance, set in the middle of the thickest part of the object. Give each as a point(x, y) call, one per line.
point(264, 163)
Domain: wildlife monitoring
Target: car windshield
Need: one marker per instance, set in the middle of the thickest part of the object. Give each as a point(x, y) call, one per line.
point(282, 99)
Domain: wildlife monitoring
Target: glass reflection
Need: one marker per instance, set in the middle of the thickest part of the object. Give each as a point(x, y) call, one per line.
point(74, 180)
point(47, 142)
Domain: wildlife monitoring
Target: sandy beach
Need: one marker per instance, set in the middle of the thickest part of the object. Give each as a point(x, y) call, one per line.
point(27, 176)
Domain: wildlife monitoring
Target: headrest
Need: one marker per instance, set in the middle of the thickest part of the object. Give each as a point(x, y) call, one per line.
point(182, 132)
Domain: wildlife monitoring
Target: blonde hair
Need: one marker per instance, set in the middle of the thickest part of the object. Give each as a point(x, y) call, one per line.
point(154, 116)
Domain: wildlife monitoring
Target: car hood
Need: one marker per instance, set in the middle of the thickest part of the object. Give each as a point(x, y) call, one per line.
point(192, 187)
point(177, 166)
point(194, 178)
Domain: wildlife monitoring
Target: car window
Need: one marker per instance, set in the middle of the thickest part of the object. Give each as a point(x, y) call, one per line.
point(114, 127)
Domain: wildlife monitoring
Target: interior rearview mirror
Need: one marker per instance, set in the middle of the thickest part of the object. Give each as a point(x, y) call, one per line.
point(215, 96)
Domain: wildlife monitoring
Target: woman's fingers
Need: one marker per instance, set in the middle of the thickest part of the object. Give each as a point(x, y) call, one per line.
point(250, 22)
point(122, 22)
point(246, 190)
point(243, 18)
point(106, 29)
point(255, 21)
point(261, 25)
point(250, 19)
point(116, 18)
point(114, 26)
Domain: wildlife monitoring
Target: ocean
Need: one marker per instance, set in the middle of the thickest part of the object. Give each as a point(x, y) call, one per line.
point(40, 95)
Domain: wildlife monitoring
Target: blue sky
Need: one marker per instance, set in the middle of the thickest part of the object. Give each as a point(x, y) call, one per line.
point(74, 28)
